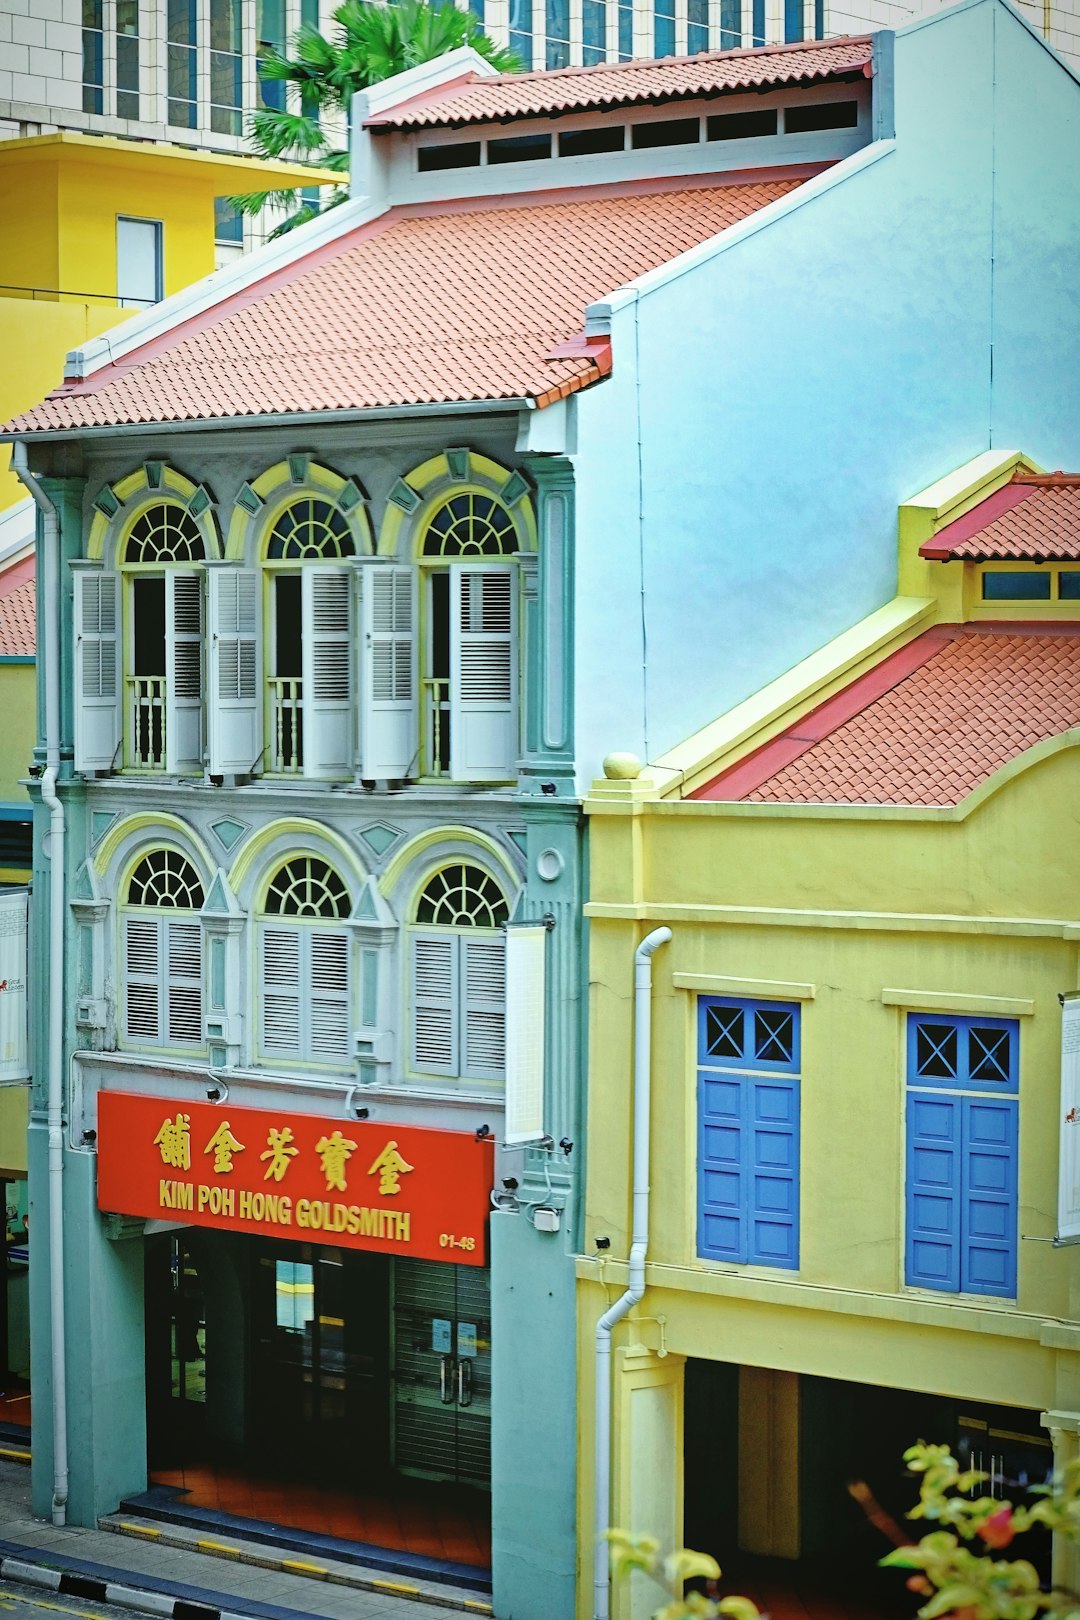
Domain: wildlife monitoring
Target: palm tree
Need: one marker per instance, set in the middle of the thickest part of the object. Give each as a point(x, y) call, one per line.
point(371, 41)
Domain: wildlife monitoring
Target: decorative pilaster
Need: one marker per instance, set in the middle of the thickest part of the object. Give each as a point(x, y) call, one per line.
point(66, 494)
point(1064, 1429)
point(549, 632)
point(90, 909)
point(223, 931)
point(375, 931)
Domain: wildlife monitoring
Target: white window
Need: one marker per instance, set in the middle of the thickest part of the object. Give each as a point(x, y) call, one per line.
point(303, 989)
point(163, 673)
point(139, 262)
point(458, 976)
point(470, 709)
point(162, 952)
point(311, 699)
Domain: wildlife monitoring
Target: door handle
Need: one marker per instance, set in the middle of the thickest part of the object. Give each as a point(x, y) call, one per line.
point(446, 1388)
point(464, 1382)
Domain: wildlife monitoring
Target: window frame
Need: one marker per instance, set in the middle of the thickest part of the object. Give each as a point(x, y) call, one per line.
point(303, 928)
point(457, 1074)
point(129, 573)
point(161, 917)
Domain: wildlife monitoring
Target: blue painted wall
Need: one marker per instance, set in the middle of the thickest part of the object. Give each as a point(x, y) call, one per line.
point(794, 388)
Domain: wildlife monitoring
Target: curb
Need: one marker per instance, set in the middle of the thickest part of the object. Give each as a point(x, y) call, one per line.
point(96, 1590)
point(293, 1566)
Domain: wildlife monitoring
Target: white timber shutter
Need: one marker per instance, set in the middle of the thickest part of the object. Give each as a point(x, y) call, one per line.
point(328, 994)
point(97, 670)
point(434, 1003)
point(483, 674)
point(14, 1053)
point(526, 969)
point(329, 721)
point(483, 1007)
point(142, 975)
point(280, 991)
point(390, 734)
point(183, 1001)
point(235, 729)
point(183, 673)
point(1068, 1226)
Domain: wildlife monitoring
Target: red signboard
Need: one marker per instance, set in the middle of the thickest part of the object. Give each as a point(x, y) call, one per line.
point(397, 1189)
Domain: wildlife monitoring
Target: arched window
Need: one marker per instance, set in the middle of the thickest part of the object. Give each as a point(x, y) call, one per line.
point(310, 529)
point(162, 936)
point(458, 972)
point(163, 669)
point(163, 533)
point(312, 724)
point(303, 991)
point(469, 658)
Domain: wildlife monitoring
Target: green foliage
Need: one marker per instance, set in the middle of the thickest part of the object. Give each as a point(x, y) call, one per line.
point(952, 1567)
point(371, 41)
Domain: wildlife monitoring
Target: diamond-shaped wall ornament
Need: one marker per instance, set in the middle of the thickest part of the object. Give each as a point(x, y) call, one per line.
point(514, 488)
point(100, 822)
point(379, 837)
point(153, 470)
point(349, 495)
point(221, 901)
point(228, 832)
point(249, 500)
point(298, 467)
point(404, 496)
point(83, 886)
point(108, 502)
point(521, 840)
point(199, 501)
point(458, 463)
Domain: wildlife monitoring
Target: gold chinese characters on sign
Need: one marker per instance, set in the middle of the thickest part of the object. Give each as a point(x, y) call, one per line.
point(173, 1142)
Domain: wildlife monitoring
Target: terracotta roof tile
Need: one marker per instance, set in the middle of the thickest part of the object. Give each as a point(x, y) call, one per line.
point(17, 621)
point(626, 84)
point(1029, 520)
point(927, 726)
point(417, 307)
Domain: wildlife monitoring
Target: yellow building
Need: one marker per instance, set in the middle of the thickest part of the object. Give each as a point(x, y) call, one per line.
point(96, 228)
point(869, 875)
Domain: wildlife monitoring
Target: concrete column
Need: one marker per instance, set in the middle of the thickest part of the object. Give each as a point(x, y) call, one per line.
point(647, 1461)
point(769, 1462)
point(105, 1363)
point(1064, 1430)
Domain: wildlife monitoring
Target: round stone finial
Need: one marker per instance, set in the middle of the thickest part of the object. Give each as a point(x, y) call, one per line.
point(622, 767)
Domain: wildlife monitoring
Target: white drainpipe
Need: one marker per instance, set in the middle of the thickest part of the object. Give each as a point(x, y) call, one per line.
point(639, 1243)
point(50, 590)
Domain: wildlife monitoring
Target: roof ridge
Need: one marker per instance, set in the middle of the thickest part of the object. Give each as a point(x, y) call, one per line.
point(545, 75)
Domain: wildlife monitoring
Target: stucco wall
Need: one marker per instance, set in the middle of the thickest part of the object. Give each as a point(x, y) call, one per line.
point(795, 387)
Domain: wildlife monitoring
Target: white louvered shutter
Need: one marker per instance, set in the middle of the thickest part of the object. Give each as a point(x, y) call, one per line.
point(280, 992)
point(235, 729)
point(526, 972)
point(434, 1003)
point(97, 670)
point(483, 674)
point(327, 995)
point(329, 720)
point(142, 979)
point(183, 1003)
point(390, 736)
point(482, 1018)
point(183, 673)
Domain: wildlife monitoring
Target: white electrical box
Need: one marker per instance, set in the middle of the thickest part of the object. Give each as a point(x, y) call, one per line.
point(547, 1220)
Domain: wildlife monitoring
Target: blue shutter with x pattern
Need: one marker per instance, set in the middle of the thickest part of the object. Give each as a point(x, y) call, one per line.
point(748, 1132)
point(962, 1155)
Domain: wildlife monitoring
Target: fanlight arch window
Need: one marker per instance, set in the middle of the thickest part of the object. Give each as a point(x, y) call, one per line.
point(310, 702)
point(304, 954)
point(165, 533)
point(458, 975)
point(467, 551)
point(470, 524)
point(163, 951)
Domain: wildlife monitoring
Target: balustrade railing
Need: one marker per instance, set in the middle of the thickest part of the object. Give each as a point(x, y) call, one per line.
point(288, 742)
point(146, 721)
point(436, 696)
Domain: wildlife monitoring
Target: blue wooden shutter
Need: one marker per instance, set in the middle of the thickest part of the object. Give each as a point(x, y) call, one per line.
point(722, 1170)
point(773, 1180)
point(988, 1195)
point(934, 1154)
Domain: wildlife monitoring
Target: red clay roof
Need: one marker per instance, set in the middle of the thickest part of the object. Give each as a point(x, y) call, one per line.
point(1031, 519)
point(925, 727)
point(17, 617)
point(422, 305)
point(476, 100)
